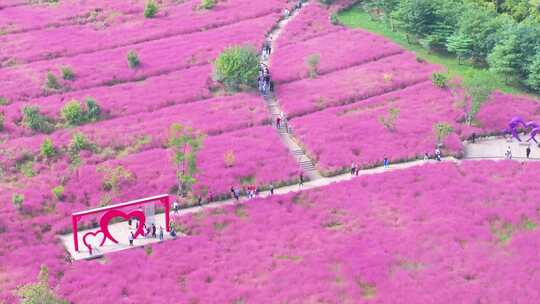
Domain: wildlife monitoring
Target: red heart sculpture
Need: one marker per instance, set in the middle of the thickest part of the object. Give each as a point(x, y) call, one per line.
point(94, 234)
point(107, 217)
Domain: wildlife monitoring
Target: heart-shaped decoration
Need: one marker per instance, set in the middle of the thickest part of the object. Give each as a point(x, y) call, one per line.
point(91, 239)
point(107, 217)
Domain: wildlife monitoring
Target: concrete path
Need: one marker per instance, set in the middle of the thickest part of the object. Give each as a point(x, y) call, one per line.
point(275, 110)
point(488, 148)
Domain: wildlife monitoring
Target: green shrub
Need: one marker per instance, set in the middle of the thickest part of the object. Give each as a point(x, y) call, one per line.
point(312, 62)
point(389, 121)
point(33, 119)
point(327, 2)
point(207, 4)
point(58, 192)
point(73, 113)
point(440, 80)
point(79, 142)
point(52, 83)
point(26, 168)
point(151, 9)
point(237, 67)
point(133, 59)
point(39, 292)
point(3, 101)
point(2, 118)
point(67, 73)
point(47, 148)
point(93, 110)
point(17, 200)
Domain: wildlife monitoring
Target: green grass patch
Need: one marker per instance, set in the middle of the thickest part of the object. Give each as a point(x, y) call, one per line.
point(356, 17)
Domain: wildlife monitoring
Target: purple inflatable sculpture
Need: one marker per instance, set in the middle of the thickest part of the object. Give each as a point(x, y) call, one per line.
point(516, 122)
point(514, 125)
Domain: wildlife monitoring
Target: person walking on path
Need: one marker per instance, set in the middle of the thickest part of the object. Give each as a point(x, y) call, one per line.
point(130, 238)
point(301, 180)
point(271, 189)
point(426, 156)
point(160, 234)
point(153, 230)
point(278, 122)
point(508, 154)
point(386, 163)
point(176, 207)
point(438, 154)
point(528, 152)
point(353, 168)
point(357, 169)
point(237, 194)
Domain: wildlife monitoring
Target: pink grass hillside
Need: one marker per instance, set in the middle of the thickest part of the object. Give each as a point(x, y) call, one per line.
point(398, 125)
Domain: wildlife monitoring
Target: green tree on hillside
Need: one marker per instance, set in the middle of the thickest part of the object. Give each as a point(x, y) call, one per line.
point(504, 57)
point(237, 68)
point(460, 45)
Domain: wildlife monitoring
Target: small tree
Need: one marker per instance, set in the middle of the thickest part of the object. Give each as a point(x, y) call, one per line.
point(78, 143)
point(185, 144)
point(33, 119)
point(237, 67)
point(39, 292)
point(17, 200)
point(73, 113)
point(440, 80)
point(2, 119)
point(207, 4)
point(312, 61)
point(442, 130)
point(93, 110)
point(133, 59)
point(67, 73)
point(58, 192)
point(503, 60)
point(114, 177)
point(460, 45)
point(151, 9)
point(477, 90)
point(229, 158)
point(51, 82)
point(389, 121)
point(47, 149)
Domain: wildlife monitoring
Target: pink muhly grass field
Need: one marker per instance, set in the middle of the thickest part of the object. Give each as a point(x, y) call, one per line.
point(446, 228)
point(312, 21)
point(336, 137)
point(172, 20)
point(499, 109)
point(288, 63)
point(150, 95)
point(109, 67)
point(210, 116)
point(351, 84)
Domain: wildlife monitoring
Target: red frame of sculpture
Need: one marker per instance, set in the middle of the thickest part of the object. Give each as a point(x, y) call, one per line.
point(116, 211)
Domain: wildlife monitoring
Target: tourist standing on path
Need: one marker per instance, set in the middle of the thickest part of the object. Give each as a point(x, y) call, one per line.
point(528, 151)
point(271, 189)
point(301, 179)
point(160, 234)
point(153, 230)
point(278, 122)
point(357, 169)
point(130, 238)
point(386, 163)
point(426, 156)
point(353, 168)
point(438, 154)
point(508, 154)
point(176, 207)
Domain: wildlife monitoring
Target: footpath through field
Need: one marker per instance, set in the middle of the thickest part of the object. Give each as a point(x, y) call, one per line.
point(483, 149)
